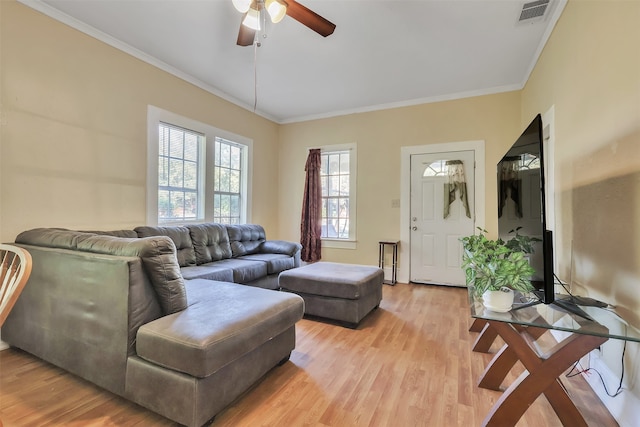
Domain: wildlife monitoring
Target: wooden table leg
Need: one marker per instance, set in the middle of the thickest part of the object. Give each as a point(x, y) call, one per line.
point(485, 339)
point(477, 325)
point(502, 363)
point(542, 377)
point(496, 371)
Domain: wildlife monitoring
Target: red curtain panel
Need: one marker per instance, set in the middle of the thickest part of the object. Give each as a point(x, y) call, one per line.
point(311, 222)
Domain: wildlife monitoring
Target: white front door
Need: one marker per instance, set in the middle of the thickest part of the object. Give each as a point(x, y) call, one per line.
point(436, 252)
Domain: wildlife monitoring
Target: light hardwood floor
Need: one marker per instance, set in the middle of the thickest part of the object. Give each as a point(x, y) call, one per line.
point(409, 363)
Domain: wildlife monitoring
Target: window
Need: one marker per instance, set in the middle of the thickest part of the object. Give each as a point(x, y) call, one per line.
point(227, 195)
point(334, 175)
point(337, 175)
point(178, 173)
point(437, 168)
point(196, 173)
point(529, 161)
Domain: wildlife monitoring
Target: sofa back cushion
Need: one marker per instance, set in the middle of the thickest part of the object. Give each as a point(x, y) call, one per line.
point(158, 256)
point(114, 233)
point(64, 238)
point(210, 242)
point(245, 239)
point(181, 238)
point(50, 238)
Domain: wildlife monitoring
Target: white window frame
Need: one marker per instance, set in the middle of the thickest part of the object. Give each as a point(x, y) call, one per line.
point(242, 179)
point(170, 158)
point(157, 115)
point(351, 242)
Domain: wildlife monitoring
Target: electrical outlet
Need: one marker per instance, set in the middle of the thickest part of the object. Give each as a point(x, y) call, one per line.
point(395, 203)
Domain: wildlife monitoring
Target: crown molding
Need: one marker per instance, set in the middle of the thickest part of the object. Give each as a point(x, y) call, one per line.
point(72, 22)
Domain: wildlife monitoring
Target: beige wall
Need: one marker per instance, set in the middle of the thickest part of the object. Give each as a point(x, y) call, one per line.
point(379, 136)
point(590, 72)
point(74, 129)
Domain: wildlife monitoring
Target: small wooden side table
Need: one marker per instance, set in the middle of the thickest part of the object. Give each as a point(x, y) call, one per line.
point(394, 262)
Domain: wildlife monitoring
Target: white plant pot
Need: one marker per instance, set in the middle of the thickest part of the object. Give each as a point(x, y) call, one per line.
point(499, 301)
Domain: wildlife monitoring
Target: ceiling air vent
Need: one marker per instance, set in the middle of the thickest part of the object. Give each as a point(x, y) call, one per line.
point(533, 11)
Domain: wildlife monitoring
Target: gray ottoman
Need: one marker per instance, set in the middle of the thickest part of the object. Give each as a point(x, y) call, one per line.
point(342, 292)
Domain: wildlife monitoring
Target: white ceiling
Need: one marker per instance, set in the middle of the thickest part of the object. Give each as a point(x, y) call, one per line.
point(382, 54)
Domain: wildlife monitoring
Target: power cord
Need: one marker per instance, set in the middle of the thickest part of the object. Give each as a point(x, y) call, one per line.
point(574, 371)
point(525, 299)
point(564, 285)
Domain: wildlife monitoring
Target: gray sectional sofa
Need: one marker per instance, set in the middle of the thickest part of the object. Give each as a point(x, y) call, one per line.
point(229, 253)
point(117, 309)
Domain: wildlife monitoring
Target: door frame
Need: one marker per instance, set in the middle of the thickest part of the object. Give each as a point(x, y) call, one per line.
point(404, 256)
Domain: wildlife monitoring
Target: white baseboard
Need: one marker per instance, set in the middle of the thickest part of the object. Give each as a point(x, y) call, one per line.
point(625, 407)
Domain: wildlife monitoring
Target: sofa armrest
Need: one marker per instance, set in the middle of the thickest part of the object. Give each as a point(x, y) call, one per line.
point(280, 247)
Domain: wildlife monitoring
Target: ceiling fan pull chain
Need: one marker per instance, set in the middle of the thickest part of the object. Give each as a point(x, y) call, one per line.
point(255, 75)
point(263, 17)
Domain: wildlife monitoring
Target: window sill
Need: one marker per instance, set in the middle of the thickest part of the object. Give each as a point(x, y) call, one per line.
point(172, 223)
point(339, 244)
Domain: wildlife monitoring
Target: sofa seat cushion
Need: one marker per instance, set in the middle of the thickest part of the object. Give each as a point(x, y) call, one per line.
point(207, 271)
point(223, 322)
point(244, 271)
point(276, 263)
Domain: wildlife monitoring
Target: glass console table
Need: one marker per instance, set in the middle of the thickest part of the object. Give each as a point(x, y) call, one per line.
point(521, 329)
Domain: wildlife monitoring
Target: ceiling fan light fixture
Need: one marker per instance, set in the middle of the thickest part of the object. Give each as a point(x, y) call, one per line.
point(277, 10)
point(252, 19)
point(241, 6)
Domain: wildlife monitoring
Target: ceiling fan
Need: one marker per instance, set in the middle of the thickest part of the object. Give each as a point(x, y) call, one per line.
point(277, 9)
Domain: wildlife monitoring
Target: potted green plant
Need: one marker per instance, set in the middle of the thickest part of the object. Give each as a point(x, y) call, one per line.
point(521, 242)
point(495, 269)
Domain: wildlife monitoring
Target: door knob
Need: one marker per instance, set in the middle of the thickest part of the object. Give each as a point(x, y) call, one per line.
point(414, 228)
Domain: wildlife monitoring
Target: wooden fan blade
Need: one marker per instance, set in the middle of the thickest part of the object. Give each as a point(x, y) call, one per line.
point(246, 35)
point(309, 18)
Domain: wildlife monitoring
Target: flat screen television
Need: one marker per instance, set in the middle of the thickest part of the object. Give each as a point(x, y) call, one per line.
point(522, 210)
point(521, 204)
